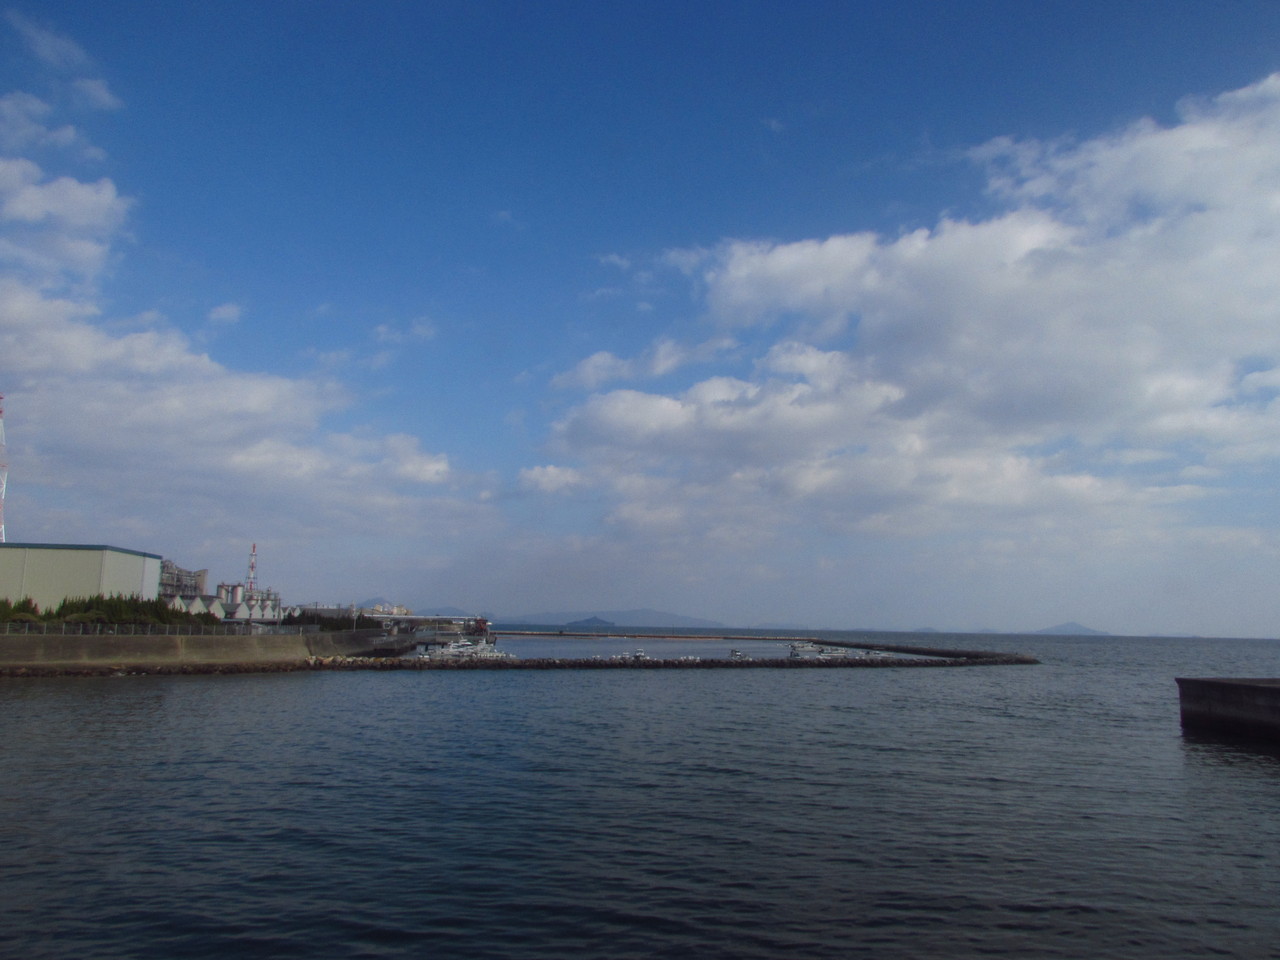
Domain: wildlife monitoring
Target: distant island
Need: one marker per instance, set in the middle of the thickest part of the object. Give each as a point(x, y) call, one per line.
point(591, 623)
point(617, 618)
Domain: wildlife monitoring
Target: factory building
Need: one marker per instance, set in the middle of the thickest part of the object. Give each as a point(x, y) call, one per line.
point(49, 573)
point(177, 582)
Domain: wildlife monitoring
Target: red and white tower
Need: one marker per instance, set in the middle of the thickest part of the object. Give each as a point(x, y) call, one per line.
point(4, 468)
point(251, 584)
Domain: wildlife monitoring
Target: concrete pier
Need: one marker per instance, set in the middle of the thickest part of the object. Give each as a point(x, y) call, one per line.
point(1248, 707)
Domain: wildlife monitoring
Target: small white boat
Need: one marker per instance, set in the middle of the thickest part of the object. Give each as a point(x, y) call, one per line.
point(449, 637)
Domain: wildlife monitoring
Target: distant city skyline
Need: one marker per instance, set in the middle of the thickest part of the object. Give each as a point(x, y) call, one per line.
point(845, 315)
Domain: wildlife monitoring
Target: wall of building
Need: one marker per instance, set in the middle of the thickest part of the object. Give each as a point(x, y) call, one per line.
point(50, 573)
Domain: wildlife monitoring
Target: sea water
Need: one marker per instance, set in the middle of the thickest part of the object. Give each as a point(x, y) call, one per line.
point(1027, 811)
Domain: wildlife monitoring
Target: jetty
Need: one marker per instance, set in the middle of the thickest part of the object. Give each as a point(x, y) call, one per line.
point(1242, 706)
point(157, 650)
point(953, 656)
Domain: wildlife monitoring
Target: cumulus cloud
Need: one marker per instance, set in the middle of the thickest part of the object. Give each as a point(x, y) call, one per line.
point(123, 430)
point(23, 116)
point(1069, 362)
point(22, 124)
point(551, 479)
point(56, 227)
point(662, 357)
point(599, 368)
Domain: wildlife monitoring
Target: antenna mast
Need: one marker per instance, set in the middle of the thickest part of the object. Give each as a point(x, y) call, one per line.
point(4, 468)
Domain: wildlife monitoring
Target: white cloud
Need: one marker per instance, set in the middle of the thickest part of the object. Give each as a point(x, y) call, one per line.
point(416, 331)
point(226, 313)
point(82, 206)
point(52, 48)
point(599, 368)
point(551, 479)
point(1080, 362)
point(663, 356)
point(615, 260)
point(22, 126)
point(56, 227)
point(95, 93)
point(405, 460)
point(121, 429)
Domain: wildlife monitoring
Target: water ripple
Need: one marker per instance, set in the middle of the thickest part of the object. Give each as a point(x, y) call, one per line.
point(1051, 811)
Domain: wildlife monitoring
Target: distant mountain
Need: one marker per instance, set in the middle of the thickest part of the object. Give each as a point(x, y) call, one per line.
point(621, 618)
point(591, 623)
point(1073, 629)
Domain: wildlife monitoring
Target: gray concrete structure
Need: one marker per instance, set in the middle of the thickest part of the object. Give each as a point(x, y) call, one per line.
point(124, 650)
point(49, 573)
point(1242, 706)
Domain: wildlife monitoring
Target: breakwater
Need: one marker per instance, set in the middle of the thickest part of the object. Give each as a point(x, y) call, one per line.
point(313, 663)
point(914, 650)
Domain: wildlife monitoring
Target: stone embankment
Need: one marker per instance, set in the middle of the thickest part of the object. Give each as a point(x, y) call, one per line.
point(312, 664)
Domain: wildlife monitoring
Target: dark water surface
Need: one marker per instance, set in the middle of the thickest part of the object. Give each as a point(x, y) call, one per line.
point(1032, 811)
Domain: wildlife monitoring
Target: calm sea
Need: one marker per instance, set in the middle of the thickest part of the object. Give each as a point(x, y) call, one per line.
point(1031, 811)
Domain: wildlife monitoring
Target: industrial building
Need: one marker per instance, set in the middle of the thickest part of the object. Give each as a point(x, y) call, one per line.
point(49, 573)
point(177, 582)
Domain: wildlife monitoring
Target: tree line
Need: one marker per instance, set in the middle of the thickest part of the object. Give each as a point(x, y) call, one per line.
point(115, 608)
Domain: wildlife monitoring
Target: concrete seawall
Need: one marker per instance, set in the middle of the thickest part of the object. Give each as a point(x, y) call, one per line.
point(58, 650)
point(1239, 706)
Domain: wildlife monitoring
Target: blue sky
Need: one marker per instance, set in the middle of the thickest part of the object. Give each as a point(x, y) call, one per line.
point(838, 314)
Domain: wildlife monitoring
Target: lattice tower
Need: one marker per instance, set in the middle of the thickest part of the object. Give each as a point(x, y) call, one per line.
point(251, 584)
point(4, 468)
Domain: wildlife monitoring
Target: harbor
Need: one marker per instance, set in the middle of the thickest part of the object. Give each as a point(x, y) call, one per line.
point(450, 643)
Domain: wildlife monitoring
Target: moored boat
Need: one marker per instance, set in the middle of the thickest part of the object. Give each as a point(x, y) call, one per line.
point(455, 637)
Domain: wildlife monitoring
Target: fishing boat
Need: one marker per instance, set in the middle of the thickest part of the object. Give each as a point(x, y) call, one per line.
point(455, 637)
